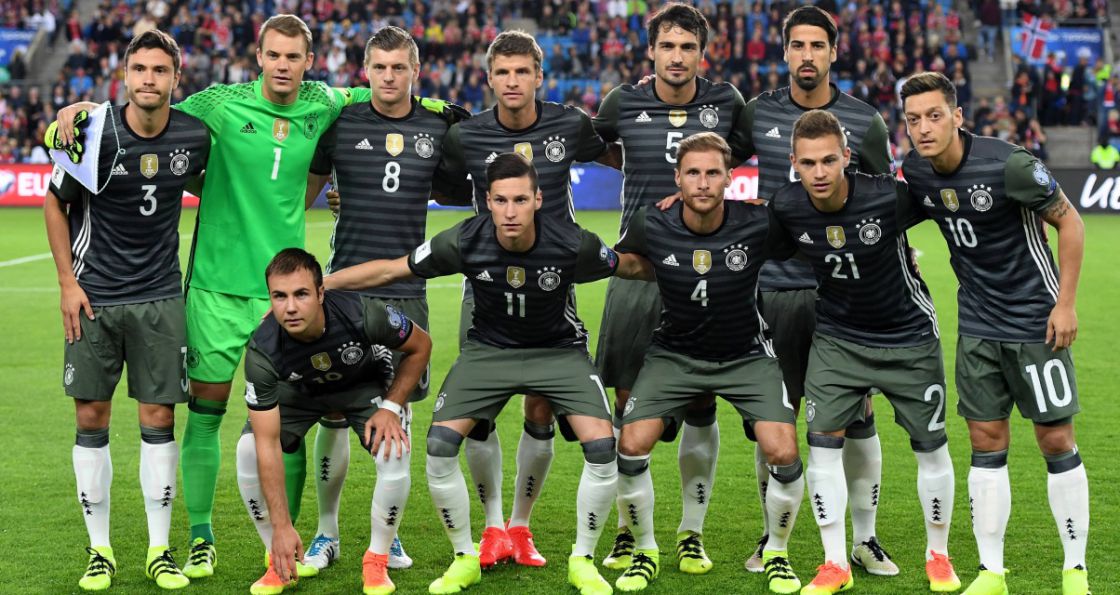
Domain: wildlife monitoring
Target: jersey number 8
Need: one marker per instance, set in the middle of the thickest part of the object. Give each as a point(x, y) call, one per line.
point(392, 179)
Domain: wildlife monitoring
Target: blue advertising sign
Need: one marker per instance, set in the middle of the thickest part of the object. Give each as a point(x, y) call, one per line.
point(1068, 43)
point(13, 39)
point(595, 187)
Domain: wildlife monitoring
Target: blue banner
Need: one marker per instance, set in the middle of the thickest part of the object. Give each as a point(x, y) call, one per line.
point(595, 187)
point(1066, 42)
point(13, 39)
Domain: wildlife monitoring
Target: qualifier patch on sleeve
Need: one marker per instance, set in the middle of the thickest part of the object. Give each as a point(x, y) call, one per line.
point(1043, 178)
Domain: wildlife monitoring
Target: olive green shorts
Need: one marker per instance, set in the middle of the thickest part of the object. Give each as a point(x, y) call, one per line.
point(792, 318)
point(631, 312)
point(416, 309)
point(219, 326)
point(149, 337)
point(841, 372)
point(484, 377)
point(994, 376)
point(299, 412)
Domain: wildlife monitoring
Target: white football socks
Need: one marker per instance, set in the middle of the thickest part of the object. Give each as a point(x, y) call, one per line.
point(332, 459)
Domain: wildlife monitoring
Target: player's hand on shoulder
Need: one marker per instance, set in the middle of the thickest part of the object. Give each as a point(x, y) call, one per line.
point(647, 80)
point(73, 302)
point(450, 112)
point(1061, 328)
point(68, 131)
point(668, 201)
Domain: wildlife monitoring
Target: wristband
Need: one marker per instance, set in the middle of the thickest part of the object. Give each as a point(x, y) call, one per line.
point(391, 406)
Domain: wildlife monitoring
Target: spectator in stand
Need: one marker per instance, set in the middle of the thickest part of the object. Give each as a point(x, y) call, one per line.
point(990, 20)
point(1112, 124)
point(1077, 91)
point(1104, 155)
point(1023, 93)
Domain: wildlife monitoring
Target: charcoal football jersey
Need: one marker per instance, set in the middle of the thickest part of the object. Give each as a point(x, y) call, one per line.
point(868, 291)
point(124, 241)
point(522, 299)
point(989, 212)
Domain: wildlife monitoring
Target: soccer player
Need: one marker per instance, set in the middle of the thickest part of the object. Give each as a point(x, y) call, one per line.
point(650, 121)
point(117, 255)
point(707, 254)
point(552, 137)
point(322, 352)
point(789, 288)
point(876, 326)
point(1016, 315)
point(384, 155)
point(525, 336)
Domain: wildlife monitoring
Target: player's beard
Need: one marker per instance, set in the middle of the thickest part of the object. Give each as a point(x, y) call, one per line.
point(681, 82)
point(809, 83)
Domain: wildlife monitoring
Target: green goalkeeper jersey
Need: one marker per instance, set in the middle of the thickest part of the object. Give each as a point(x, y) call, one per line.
point(253, 196)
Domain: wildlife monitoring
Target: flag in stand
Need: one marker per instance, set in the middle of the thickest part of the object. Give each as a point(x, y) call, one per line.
point(1036, 30)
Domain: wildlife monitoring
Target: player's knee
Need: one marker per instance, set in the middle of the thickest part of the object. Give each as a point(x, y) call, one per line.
point(92, 415)
point(538, 410)
point(781, 454)
point(443, 442)
point(1055, 440)
point(632, 445)
point(157, 416)
point(989, 436)
point(600, 451)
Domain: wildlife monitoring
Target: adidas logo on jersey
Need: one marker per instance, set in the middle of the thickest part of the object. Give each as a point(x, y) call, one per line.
point(774, 133)
point(927, 202)
point(671, 260)
point(248, 129)
point(364, 145)
point(490, 158)
point(643, 117)
point(119, 170)
point(805, 239)
point(484, 276)
point(295, 377)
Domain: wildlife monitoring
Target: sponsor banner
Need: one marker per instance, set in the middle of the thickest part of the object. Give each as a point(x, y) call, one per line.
point(26, 185)
point(1065, 42)
point(1091, 191)
point(12, 40)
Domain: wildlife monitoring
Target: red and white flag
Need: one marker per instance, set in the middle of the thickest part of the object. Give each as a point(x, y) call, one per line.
point(1035, 33)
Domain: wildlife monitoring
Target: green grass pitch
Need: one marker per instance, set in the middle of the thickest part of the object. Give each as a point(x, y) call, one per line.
point(44, 537)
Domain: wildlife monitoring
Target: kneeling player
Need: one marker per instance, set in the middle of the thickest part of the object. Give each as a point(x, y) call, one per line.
point(876, 326)
point(525, 338)
point(321, 352)
point(707, 255)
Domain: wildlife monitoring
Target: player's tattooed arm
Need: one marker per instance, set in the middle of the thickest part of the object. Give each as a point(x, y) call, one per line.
point(1061, 328)
point(374, 273)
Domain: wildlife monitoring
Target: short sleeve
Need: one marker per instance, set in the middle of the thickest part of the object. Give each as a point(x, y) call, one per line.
point(64, 186)
point(740, 139)
point(634, 238)
point(438, 256)
point(591, 145)
point(907, 210)
point(595, 260)
point(1029, 182)
point(606, 121)
point(453, 162)
point(875, 152)
point(261, 380)
point(779, 244)
point(386, 325)
point(204, 104)
point(323, 160)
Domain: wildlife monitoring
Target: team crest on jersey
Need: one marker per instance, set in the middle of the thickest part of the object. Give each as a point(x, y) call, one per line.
point(280, 128)
point(736, 258)
point(869, 231)
point(701, 261)
point(949, 197)
point(554, 149)
point(351, 353)
point(629, 406)
point(678, 117)
point(549, 278)
point(524, 149)
point(394, 143)
point(180, 162)
point(68, 375)
point(709, 116)
point(515, 276)
point(311, 126)
point(424, 146)
point(835, 235)
point(810, 410)
point(981, 197)
point(149, 165)
point(440, 400)
point(321, 361)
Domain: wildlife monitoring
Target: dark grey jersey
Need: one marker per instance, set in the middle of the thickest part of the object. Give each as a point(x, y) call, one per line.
point(125, 240)
point(384, 169)
point(869, 292)
point(708, 283)
point(772, 116)
point(651, 130)
point(560, 136)
point(522, 299)
point(988, 210)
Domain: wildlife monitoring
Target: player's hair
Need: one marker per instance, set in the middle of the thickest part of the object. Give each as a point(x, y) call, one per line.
point(926, 82)
point(288, 25)
point(290, 260)
point(511, 165)
point(704, 141)
point(817, 123)
point(810, 15)
point(155, 40)
point(675, 14)
point(515, 43)
point(391, 38)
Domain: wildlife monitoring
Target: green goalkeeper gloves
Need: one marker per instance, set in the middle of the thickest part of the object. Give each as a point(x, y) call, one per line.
point(74, 151)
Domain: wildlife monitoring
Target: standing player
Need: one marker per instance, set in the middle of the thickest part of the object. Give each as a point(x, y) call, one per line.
point(321, 352)
point(789, 288)
point(384, 156)
point(707, 254)
point(876, 326)
point(117, 255)
point(650, 121)
point(1017, 318)
point(525, 336)
point(552, 137)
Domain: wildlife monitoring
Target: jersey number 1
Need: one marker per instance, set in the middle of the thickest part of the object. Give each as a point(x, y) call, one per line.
point(276, 162)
